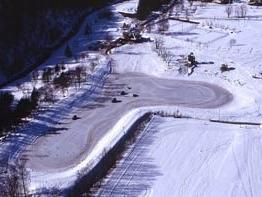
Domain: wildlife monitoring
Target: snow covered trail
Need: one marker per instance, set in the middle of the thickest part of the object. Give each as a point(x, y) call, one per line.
point(204, 159)
point(56, 159)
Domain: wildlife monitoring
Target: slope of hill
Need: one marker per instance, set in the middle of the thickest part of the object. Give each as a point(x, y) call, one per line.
point(32, 30)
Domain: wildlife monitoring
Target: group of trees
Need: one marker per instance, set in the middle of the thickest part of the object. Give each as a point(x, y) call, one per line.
point(13, 13)
point(62, 79)
point(35, 28)
point(76, 76)
point(14, 180)
point(57, 78)
point(240, 11)
point(12, 113)
point(162, 51)
point(53, 79)
point(163, 24)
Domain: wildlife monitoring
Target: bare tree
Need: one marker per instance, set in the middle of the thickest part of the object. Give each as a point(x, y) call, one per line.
point(182, 4)
point(163, 24)
point(243, 10)
point(63, 82)
point(47, 75)
point(80, 74)
point(11, 183)
point(159, 42)
point(191, 3)
point(24, 176)
point(35, 75)
point(229, 10)
point(237, 12)
point(177, 10)
point(187, 13)
point(93, 65)
point(168, 57)
point(47, 94)
point(15, 180)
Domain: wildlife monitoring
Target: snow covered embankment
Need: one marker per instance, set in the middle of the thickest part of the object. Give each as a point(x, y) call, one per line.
point(65, 179)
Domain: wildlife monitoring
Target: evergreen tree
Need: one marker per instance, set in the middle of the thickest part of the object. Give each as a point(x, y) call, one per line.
point(35, 97)
point(47, 75)
point(68, 51)
point(88, 30)
point(23, 108)
point(6, 101)
point(146, 6)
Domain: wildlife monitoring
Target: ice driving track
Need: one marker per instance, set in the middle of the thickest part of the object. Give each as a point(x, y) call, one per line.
point(75, 144)
point(82, 135)
point(55, 159)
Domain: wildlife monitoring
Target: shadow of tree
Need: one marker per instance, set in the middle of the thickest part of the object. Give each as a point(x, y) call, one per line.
point(135, 173)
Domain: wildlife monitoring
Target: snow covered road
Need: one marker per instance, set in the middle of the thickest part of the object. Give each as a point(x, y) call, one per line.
point(204, 159)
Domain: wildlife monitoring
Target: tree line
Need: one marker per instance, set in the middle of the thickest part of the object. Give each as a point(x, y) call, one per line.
point(12, 112)
point(14, 13)
point(54, 79)
point(31, 29)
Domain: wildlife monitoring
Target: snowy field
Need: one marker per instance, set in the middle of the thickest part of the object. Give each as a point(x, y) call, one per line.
point(180, 157)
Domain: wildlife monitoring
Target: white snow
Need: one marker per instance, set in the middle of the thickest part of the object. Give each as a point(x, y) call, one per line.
point(177, 157)
point(183, 157)
point(197, 157)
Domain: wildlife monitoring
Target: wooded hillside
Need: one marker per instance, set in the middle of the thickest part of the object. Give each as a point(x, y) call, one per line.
point(29, 29)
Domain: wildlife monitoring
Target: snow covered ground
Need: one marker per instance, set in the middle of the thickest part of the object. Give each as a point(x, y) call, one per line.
point(178, 157)
point(194, 157)
point(187, 157)
point(58, 148)
point(102, 122)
